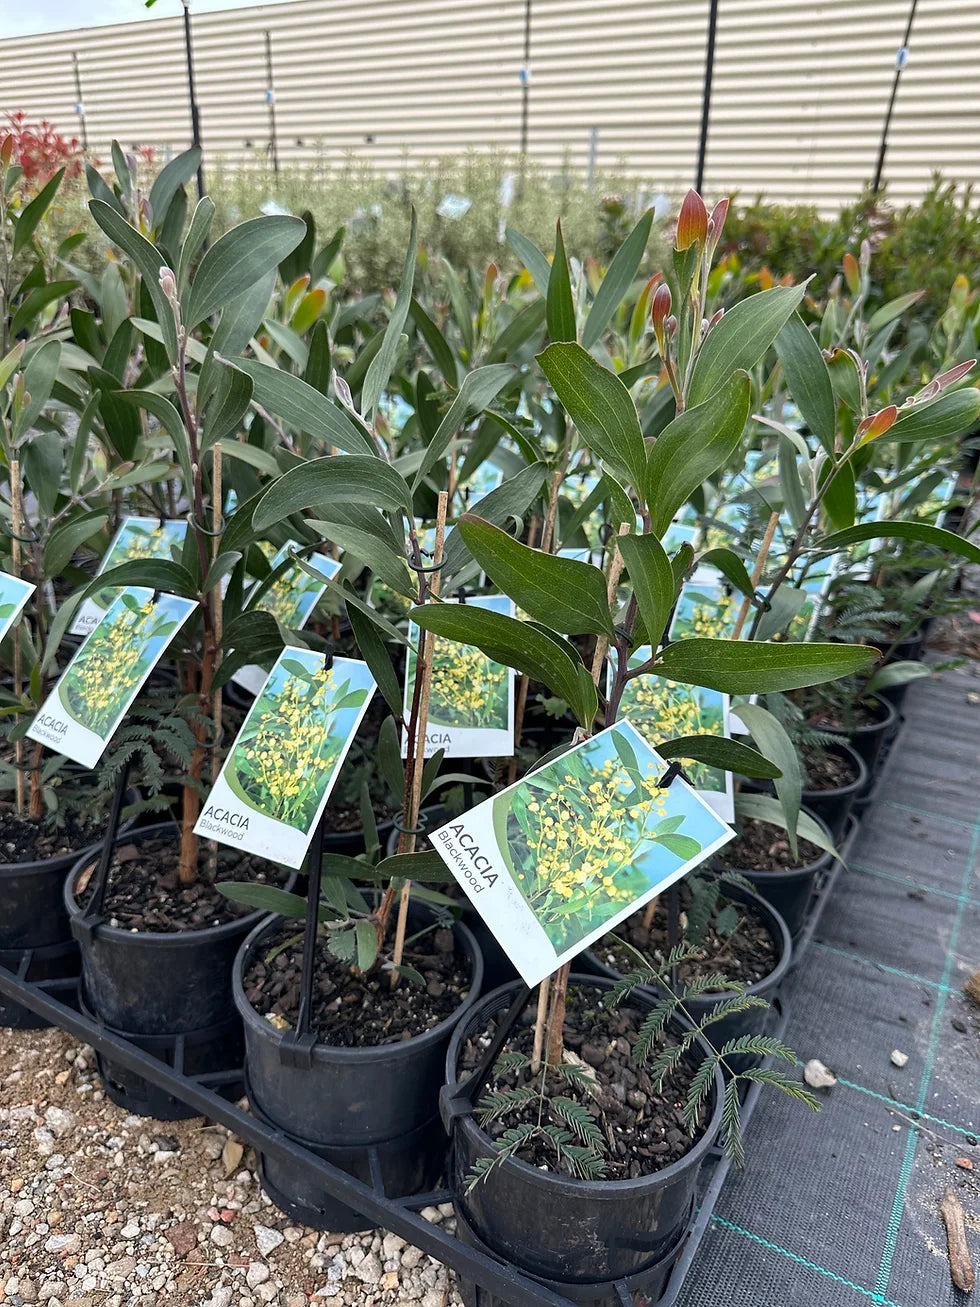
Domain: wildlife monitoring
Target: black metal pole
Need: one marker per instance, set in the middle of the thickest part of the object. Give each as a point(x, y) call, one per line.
point(709, 68)
point(526, 77)
point(900, 60)
point(270, 98)
point(79, 102)
point(195, 112)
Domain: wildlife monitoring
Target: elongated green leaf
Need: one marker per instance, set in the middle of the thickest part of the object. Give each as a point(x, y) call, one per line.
point(840, 501)
point(299, 405)
point(511, 499)
point(255, 457)
point(379, 373)
point(63, 543)
point(372, 649)
point(617, 281)
point(148, 260)
point(560, 303)
point(32, 213)
point(949, 415)
point(808, 379)
point(436, 341)
point(693, 446)
point(772, 738)
point(165, 413)
point(369, 549)
point(794, 500)
point(763, 807)
point(267, 898)
point(600, 406)
point(478, 389)
point(892, 310)
point(151, 573)
point(731, 567)
point(232, 397)
point(178, 172)
point(740, 339)
point(352, 478)
point(925, 534)
point(533, 259)
point(515, 644)
point(237, 260)
point(750, 667)
point(39, 379)
point(842, 367)
point(518, 331)
point(652, 579)
point(240, 319)
point(564, 594)
point(37, 301)
point(716, 751)
point(900, 673)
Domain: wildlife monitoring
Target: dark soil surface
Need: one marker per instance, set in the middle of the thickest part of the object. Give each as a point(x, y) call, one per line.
point(641, 1130)
point(869, 712)
point(144, 893)
point(24, 840)
point(745, 956)
point(828, 771)
point(351, 1010)
point(761, 846)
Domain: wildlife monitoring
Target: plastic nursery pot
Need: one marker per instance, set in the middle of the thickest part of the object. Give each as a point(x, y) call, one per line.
point(350, 1102)
point(788, 890)
point(557, 1228)
point(56, 962)
point(869, 739)
point(832, 806)
point(753, 1021)
point(146, 983)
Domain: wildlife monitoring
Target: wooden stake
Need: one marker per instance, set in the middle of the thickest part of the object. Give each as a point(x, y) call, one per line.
point(218, 598)
point(613, 574)
point(757, 571)
point(960, 1266)
point(423, 668)
point(648, 914)
point(520, 701)
point(540, 1021)
point(17, 529)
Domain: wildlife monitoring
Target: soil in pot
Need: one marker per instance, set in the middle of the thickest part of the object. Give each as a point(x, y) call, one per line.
point(25, 840)
point(761, 846)
point(640, 1129)
point(144, 894)
point(353, 1010)
point(828, 770)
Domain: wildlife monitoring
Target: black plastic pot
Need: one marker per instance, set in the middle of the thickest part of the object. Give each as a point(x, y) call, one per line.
point(788, 891)
point(556, 1228)
point(157, 984)
point(32, 908)
point(869, 740)
point(833, 807)
point(349, 1101)
point(753, 1021)
point(56, 962)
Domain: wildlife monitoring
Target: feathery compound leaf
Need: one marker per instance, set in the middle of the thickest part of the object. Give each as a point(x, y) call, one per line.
point(698, 1091)
point(653, 1024)
point(495, 1105)
point(579, 1120)
point(731, 1125)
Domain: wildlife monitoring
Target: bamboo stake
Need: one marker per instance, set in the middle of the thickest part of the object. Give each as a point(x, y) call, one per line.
point(423, 669)
point(612, 582)
point(520, 702)
point(218, 597)
point(17, 529)
point(757, 571)
point(539, 1025)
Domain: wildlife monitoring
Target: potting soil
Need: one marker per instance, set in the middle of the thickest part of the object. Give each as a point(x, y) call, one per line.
point(841, 1208)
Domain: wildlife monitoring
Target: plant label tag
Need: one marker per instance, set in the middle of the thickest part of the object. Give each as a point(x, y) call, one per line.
point(705, 608)
point(96, 689)
point(471, 699)
point(14, 594)
point(290, 598)
point(137, 537)
point(556, 861)
point(275, 783)
point(663, 710)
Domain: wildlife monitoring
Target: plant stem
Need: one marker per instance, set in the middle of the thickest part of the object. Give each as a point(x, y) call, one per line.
point(556, 1018)
point(760, 565)
point(520, 702)
point(539, 1025)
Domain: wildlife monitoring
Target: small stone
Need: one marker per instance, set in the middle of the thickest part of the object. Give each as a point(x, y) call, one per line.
point(389, 1280)
point(819, 1076)
point(370, 1269)
point(292, 1234)
point(52, 1289)
point(959, 1025)
point(121, 1269)
point(267, 1292)
point(257, 1274)
point(296, 1300)
point(44, 1140)
point(59, 1121)
point(226, 1215)
point(267, 1240)
point(411, 1258)
point(28, 1291)
point(182, 1238)
point(963, 1163)
point(231, 1156)
point(898, 1058)
point(130, 1230)
point(221, 1296)
point(221, 1236)
point(434, 1298)
point(63, 1243)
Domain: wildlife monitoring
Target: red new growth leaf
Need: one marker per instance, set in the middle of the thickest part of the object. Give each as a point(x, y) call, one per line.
point(692, 222)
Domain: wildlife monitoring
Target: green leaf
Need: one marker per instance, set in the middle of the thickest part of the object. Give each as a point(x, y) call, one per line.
point(763, 807)
point(178, 172)
point(151, 573)
point(255, 457)
point(617, 281)
point(716, 751)
point(32, 213)
point(63, 543)
point(267, 898)
point(808, 379)
point(518, 331)
point(240, 319)
point(379, 372)
point(148, 261)
point(369, 549)
point(739, 340)
point(436, 341)
point(682, 846)
point(39, 379)
point(299, 405)
point(840, 501)
point(165, 413)
point(599, 405)
point(926, 535)
point(533, 259)
point(892, 310)
point(560, 303)
point(352, 478)
point(44, 466)
point(197, 234)
point(652, 579)
point(514, 644)
point(422, 866)
point(367, 943)
point(731, 567)
point(389, 758)
point(38, 300)
point(693, 446)
point(564, 594)
point(751, 667)
point(842, 368)
point(478, 389)
point(228, 406)
point(900, 673)
point(789, 480)
point(237, 260)
point(510, 500)
point(374, 652)
point(949, 415)
point(771, 736)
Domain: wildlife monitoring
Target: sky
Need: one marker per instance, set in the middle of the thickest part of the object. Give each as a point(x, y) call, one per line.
point(60, 15)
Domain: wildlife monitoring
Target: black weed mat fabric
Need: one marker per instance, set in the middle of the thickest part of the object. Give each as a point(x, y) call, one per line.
point(841, 1208)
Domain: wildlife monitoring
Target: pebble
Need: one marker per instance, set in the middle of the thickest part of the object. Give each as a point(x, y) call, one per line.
point(267, 1240)
point(59, 1121)
point(257, 1274)
point(221, 1236)
point(899, 1058)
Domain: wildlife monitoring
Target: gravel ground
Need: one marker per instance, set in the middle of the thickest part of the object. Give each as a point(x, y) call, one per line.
point(102, 1209)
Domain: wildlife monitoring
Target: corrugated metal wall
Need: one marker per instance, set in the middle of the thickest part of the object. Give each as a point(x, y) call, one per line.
point(800, 89)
